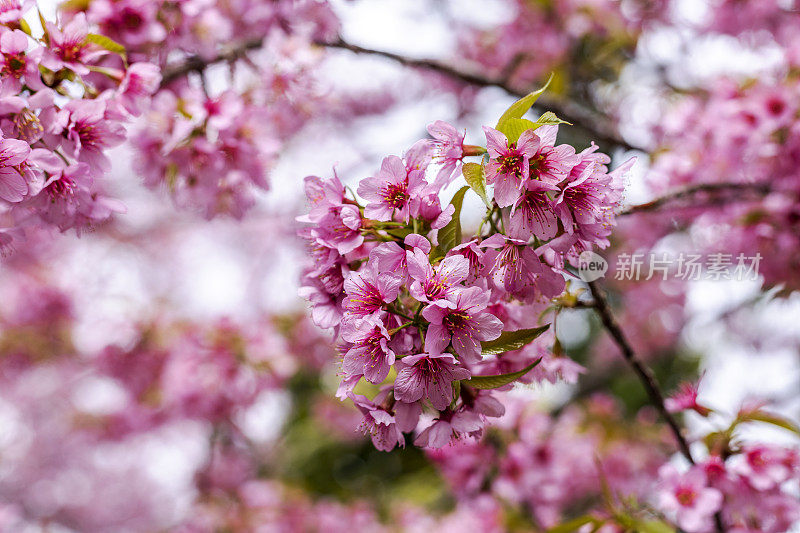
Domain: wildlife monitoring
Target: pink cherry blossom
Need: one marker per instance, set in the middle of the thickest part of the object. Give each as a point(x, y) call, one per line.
point(508, 169)
point(448, 426)
point(390, 192)
point(461, 319)
point(13, 154)
point(432, 283)
point(369, 353)
point(428, 377)
point(688, 498)
point(369, 290)
point(449, 150)
point(532, 214)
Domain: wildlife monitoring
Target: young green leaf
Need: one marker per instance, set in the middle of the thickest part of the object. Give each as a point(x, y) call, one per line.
point(498, 380)
point(513, 128)
point(549, 118)
point(653, 526)
point(521, 106)
point(456, 393)
point(511, 340)
point(768, 418)
point(400, 233)
point(24, 26)
point(473, 173)
point(106, 44)
point(450, 235)
point(575, 524)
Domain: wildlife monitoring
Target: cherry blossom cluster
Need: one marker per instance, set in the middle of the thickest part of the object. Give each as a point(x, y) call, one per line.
point(535, 460)
point(757, 149)
point(173, 380)
point(747, 486)
point(61, 112)
point(622, 471)
point(212, 147)
point(430, 319)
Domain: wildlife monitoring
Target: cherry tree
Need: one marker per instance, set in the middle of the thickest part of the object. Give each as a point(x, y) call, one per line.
point(492, 323)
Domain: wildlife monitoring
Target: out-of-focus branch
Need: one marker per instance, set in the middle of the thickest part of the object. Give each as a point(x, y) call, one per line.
point(647, 378)
point(642, 371)
point(715, 191)
point(597, 127)
point(199, 64)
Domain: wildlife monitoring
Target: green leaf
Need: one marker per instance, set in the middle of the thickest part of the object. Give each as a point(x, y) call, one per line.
point(653, 526)
point(511, 340)
point(450, 235)
point(550, 119)
point(498, 380)
point(456, 394)
point(473, 173)
point(575, 524)
point(400, 233)
point(74, 5)
point(768, 418)
point(24, 26)
point(106, 44)
point(521, 106)
point(513, 128)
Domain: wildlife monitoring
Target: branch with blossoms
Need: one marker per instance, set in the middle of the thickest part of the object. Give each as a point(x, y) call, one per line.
point(584, 119)
point(703, 194)
point(427, 320)
point(596, 127)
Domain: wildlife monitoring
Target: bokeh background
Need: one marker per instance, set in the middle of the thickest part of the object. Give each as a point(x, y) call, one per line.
point(150, 308)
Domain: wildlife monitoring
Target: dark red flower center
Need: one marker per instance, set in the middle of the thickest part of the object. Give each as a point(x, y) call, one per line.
point(685, 496)
point(396, 195)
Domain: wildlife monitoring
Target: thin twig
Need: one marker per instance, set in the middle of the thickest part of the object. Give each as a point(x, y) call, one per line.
point(644, 373)
point(199, 64)
point(713, 189)
point(596, 127)
point(581, 117)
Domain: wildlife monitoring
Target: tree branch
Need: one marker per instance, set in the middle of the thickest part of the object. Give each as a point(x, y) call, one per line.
point(199, 64)
point(642, 371)
point(596, 127)
point(715, 190)
point(581, 117)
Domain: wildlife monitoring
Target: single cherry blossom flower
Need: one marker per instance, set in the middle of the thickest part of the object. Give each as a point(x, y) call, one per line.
point(532, 214)
point(508, 169)
point(369, 354)
point(428, 376)
point(17, 68)
point(448, 150)
point(550, 163)
point(517, 269)
point(432, 283)
point(389, 194)
point(449, 425)
point(462, 319)
point(685, 399)
point(688, 497)
point(368, 290)
point(378, 423)
point(13, 153)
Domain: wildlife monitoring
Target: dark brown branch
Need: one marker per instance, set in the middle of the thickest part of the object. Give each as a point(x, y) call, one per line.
point(581, 117)
point(198, 64)
point(594, 126)
point(642, 371)
point(714, 191)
